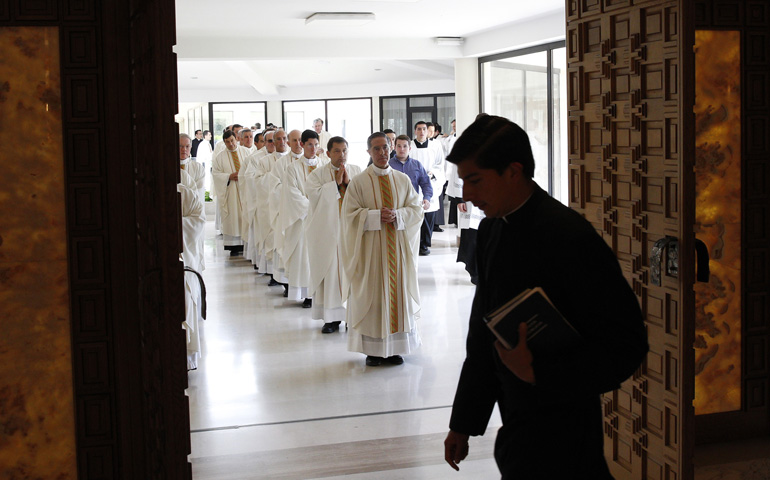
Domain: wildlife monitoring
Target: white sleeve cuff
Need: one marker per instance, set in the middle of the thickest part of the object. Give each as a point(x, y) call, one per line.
point(399, 220)
point(373, 221)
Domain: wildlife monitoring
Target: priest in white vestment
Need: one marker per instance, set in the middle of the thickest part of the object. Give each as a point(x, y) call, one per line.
point(381, 218)
point(226, 167)
point(251, 181)
point(197, 174)
point(246, 141)
point(294, 210)
point(265, 182)
point(275, 185)
point(193, 224)
point(193, 168)
point(326, 188)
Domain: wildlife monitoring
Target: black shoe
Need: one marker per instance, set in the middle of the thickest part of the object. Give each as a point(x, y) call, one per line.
point(272, 282)
point(285, 290)
point(373, 361)
point(307, 303)
point(424, 252)
point(438, 229)
point(395, 359)
point(330, 327)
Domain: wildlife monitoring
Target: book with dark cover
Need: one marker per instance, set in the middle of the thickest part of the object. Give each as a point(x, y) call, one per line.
point(547, 329)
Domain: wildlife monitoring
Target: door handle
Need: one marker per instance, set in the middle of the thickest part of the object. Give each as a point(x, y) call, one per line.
point(671, 245)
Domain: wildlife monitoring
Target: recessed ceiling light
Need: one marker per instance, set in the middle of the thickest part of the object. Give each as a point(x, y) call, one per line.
point(194, 78)
point(351, 19)
point(377, 69)
point(449, 41)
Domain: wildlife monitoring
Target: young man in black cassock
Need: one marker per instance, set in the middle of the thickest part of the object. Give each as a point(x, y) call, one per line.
point(550, 406)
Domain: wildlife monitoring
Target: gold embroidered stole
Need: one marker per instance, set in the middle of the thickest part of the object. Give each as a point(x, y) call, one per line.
point(236, 160)
point(390, 237)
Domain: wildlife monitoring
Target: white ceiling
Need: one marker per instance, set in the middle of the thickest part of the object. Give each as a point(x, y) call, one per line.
point(264, 50)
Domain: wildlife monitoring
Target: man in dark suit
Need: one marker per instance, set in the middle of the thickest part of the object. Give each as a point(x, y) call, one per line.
point(550, 404)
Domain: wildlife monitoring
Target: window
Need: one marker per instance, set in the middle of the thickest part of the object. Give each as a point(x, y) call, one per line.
point(350, 118)
point(401, 113)
point(529, 88)
point(243, 113)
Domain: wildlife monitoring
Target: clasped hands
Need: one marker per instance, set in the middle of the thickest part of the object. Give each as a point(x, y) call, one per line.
point(234, 177)
point(387, 215)
point(341, 176)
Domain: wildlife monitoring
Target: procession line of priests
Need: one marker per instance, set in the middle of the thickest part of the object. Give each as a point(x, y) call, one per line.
point(326, 187)
point(382, 215)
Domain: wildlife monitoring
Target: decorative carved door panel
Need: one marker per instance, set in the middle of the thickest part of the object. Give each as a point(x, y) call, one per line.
point(630, 154)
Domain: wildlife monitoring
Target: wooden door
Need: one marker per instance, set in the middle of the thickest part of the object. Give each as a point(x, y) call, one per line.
point(630, 70)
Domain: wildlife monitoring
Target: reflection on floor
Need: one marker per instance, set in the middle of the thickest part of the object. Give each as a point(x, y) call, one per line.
point(273, 398)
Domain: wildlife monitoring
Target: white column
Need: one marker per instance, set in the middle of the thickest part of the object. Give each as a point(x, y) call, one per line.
point(466, 91)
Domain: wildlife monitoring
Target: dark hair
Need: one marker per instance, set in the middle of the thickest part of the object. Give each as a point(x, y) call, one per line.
point(402, 137)
point(387, 130)
point(227, 134)
point(421, 122)
point(438, 127)
point(256, 137)
point(307, 135)
point(489, 140)
point(373, 136)
point(334, 140)
point(429, 124)
point(205, 132)
point(197, 131)
point(237, 125)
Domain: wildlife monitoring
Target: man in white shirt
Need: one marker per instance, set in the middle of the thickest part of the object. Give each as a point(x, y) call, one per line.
point(431, 155)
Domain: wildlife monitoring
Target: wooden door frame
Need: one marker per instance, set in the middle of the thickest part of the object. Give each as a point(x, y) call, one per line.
point(119, 97)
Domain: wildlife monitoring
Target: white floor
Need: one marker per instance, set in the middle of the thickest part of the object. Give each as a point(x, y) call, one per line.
point(275, 398)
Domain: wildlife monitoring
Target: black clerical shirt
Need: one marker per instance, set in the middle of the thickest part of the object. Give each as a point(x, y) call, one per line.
point(545, 244)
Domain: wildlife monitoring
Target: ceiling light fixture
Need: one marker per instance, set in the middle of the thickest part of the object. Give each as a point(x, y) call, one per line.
point(449, 41)
point(351, 19)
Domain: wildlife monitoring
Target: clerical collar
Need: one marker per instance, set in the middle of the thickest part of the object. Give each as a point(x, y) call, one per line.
point(421, 145)
point(381, 172)
point(295, 155)
point(310, 161)
point(185, 161)
point(336, 169)
point(507, 215)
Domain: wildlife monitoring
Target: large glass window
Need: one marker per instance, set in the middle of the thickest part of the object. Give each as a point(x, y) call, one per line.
point(401, 113)
point(350, 118)
point(243, 113)
point(300, 115)
point(528, 87)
